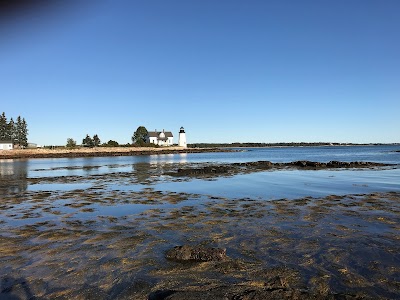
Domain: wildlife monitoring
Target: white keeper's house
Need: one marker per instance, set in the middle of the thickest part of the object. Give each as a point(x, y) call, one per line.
point(6, 145)
point(161, 138)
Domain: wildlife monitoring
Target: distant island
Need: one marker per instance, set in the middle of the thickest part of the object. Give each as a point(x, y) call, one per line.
point(292, 144)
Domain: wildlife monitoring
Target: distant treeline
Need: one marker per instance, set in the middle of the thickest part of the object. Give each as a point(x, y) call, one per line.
point(15, 132)
point(139, 139)
point(255, 145)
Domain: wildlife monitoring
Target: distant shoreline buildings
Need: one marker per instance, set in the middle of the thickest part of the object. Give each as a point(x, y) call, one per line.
point(166, 138)
point(160, 138)
point(6, 145)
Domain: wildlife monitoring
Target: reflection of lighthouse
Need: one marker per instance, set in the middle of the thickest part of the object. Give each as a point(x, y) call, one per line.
point(182, 138)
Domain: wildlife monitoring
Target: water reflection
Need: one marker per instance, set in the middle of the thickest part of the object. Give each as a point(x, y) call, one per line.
point(142, 171)
point(13, 174)
point(155, 166)
point(168, 158)
point(183, 158)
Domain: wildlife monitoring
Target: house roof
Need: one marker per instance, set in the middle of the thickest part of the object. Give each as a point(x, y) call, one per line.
point(157, 133)
point(6, 142)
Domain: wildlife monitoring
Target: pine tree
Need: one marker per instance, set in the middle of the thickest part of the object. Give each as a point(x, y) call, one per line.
point(11, 130)
point(19, 131)
point(3, 127)
point(87, 141)
point(24, 133)
point(96, 140)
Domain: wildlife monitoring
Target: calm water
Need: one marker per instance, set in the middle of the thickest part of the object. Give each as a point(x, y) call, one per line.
point(16, 175)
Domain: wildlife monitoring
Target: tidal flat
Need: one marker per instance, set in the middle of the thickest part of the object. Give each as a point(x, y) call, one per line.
point(336, 246)
point(104, 231)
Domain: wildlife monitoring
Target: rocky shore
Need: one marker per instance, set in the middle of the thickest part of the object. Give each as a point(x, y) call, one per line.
point(99, 152)
point(62, 245)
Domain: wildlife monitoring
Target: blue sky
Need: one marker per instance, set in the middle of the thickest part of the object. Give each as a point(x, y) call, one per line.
point(228, 71)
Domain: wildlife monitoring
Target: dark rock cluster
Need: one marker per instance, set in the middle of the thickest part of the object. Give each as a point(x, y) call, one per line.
point(266, 165)
point(276, 291)
point(335, 164)
point(203, 171)
point(196, 253)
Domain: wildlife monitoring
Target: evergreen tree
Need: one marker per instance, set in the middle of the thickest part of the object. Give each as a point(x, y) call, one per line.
point(24, 141)
point(11, 130)
point(87, 141)
point(96, 140)
point(19, 131)
point(3, 127)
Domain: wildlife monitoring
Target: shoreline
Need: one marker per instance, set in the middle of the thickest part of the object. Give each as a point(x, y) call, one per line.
point(100, 152)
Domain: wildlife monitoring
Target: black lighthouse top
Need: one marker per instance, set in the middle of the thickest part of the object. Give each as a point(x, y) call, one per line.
point(182, 130)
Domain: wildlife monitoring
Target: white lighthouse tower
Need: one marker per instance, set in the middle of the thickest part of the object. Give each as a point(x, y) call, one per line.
point(182, 138)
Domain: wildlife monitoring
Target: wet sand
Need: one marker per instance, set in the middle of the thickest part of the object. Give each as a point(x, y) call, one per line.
point(72, 244)
point(100, 151)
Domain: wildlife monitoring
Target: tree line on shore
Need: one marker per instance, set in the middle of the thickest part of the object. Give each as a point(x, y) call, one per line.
point(139, 139)
point(14, 131)
point(92, 142)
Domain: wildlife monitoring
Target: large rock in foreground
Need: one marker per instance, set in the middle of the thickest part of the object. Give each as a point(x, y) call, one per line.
point(196, 253)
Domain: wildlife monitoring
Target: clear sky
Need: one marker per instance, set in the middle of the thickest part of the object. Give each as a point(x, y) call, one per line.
point(226, 70)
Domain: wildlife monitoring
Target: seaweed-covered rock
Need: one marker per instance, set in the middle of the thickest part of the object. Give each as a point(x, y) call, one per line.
point(246, 167)
point(337, 164)
point(196, 253)
point(247, 292)
point(203, 171)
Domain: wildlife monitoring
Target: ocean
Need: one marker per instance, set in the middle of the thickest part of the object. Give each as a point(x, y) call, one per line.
point(269, 184)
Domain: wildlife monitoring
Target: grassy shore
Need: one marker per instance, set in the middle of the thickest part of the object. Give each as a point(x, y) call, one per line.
point(100, 151)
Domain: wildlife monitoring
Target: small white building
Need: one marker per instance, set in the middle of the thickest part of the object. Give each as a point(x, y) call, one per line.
point(6, 145)
point(161, 138)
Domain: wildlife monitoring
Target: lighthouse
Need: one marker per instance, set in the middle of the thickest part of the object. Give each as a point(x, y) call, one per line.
point(182, 138)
